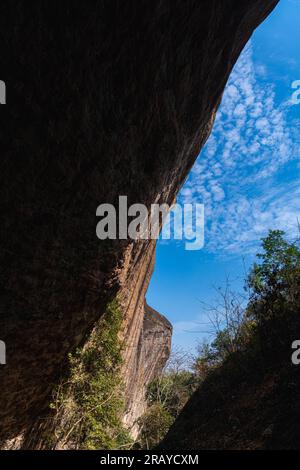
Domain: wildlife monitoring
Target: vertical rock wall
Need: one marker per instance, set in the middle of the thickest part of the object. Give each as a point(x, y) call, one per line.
point(150, 356)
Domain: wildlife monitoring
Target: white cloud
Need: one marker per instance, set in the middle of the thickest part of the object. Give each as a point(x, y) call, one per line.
point(238, 175)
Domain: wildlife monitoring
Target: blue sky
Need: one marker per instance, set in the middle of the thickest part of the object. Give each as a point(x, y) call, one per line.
point(247, 176)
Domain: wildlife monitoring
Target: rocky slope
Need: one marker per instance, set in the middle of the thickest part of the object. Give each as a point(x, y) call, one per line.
point(250, 402)
point(104, 98)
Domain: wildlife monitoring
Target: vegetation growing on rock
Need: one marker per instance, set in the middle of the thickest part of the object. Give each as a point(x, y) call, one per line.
point(89, 405)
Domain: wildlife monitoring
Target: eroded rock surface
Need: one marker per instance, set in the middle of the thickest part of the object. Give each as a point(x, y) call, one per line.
point(152, 352)
point(104, 98)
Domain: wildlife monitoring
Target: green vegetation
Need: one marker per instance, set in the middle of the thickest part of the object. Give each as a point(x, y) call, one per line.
point(253, 334)
point(155, 424)
point(166, 396)
point(89, 405)
point(275, 281)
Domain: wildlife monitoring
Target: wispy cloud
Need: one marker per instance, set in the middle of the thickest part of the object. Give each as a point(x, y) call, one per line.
point(248, 173)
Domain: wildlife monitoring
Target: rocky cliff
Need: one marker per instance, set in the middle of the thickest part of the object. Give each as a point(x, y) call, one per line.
point(104, 98)
point(148, 361)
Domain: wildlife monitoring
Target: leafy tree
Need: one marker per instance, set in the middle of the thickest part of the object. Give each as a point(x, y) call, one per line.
point(166, 396)
point(275, 281)
point(155, 424)
point(280, 264)
point(172, 390)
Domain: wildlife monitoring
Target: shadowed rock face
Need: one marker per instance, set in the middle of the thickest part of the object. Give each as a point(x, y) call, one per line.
point(104, 98)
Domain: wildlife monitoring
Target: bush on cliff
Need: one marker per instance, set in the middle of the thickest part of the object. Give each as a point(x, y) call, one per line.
point(89, 405)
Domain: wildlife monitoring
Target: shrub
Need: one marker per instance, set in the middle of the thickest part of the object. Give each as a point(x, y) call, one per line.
point(155, 424)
